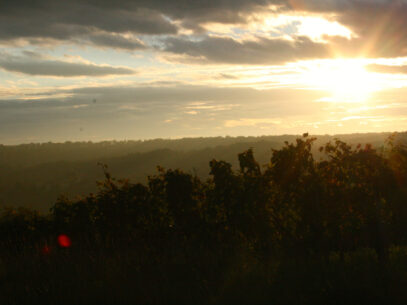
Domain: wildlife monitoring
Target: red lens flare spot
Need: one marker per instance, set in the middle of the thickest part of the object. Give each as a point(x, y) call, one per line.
point(64, 241)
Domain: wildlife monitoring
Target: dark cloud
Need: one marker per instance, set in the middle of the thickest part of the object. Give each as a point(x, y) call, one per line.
point(387, 69)
point(197, 11)
point(33, 64)
point(115, 41)
point(380, 25)
point(260, 51)
point(58, 19)
point(73, 20)
point(63, 20)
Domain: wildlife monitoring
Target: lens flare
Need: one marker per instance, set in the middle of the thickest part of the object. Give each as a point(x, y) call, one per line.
point(64, 241)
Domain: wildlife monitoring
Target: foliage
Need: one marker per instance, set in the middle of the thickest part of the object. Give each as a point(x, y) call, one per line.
point(257, 228)
point(33, 175)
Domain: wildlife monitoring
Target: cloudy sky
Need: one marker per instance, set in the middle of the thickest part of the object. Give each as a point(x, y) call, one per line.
point(139, 69)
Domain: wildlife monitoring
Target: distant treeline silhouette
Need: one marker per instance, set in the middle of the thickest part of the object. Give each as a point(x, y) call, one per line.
point(33, 175)
point(294, 231)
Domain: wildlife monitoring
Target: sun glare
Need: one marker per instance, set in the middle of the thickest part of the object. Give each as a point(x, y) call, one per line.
point(347, 81)
point(316, 28)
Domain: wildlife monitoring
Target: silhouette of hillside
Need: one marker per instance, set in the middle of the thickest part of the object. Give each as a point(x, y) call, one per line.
point(33, 175)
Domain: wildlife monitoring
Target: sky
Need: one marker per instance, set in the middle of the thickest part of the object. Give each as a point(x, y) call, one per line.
point(96, 70)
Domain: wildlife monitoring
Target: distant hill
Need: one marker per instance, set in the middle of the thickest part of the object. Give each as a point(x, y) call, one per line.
point(33, 175)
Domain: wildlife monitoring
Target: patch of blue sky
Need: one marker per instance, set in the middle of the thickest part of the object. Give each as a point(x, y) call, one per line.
point(290, 29)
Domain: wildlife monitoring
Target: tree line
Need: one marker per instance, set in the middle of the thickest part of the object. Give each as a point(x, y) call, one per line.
point(33, 175)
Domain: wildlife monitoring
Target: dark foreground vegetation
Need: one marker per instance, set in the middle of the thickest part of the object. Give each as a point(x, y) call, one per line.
point(295, 231)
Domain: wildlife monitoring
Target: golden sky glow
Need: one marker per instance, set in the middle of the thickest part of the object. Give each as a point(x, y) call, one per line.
point(347, 81)
point(174, 71)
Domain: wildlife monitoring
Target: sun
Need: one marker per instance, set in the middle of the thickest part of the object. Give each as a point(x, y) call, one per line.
point(346, 81)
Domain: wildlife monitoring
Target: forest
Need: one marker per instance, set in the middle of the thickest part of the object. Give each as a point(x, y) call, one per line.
point(34, 175)
point(318, 223)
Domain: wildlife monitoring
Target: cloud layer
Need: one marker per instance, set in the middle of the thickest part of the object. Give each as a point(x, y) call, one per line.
point(380, 26)
point(35, 64)
point(259, 51)
point(387, 69)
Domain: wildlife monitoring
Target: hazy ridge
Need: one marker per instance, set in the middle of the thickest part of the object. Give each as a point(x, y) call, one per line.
point(34, 175)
